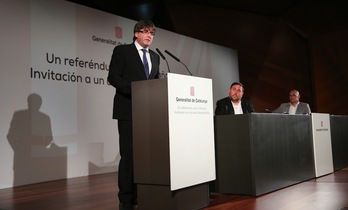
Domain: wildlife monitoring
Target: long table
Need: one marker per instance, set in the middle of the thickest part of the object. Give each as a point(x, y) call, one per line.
point(339, 138)
point(260, 152)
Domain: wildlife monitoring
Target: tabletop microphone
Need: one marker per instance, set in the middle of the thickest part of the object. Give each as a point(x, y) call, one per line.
point(177, 59)
point(164, 58)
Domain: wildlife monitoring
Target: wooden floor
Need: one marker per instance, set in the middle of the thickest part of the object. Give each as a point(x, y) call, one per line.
point(329, 192)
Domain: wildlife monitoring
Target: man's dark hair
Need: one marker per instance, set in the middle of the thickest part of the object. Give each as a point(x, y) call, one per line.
point(237, 83)
point(143, 24)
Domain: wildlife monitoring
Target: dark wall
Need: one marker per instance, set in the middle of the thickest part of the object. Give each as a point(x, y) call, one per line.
point(330, 64)
point(305, 48)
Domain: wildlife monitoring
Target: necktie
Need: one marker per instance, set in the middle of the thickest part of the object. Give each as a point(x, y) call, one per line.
point(146, 64)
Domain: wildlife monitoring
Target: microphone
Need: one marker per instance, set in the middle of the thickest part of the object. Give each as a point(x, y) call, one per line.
point(164, 58)
point(160, 53)
point(177, 59)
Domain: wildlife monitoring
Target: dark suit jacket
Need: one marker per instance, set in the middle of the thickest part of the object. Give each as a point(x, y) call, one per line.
point(302, 108)
point(125, 67)
point(224, 106)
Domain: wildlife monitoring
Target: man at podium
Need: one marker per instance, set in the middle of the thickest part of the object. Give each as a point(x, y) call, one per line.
point(131, 62)
point(234, 103)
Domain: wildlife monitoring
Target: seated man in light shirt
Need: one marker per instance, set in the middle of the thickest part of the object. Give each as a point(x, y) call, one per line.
point(234, 103)
point(294, 106)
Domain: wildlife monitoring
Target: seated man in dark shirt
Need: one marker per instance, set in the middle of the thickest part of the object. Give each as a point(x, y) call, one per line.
point(234, 103)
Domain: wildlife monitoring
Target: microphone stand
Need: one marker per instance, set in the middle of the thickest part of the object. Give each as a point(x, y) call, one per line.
point(177, 59)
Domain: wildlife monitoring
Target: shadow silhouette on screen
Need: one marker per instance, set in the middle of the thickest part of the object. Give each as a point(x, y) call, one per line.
point(98, 165)
point(36, 157)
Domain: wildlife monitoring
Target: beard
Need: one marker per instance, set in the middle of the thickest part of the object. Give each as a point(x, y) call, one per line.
point(235, 99)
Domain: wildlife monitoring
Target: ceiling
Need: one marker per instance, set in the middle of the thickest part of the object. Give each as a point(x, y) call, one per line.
point(159, 10)
point(304, 15)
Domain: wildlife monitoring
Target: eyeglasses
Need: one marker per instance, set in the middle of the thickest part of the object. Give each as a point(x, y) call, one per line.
point(152, 33)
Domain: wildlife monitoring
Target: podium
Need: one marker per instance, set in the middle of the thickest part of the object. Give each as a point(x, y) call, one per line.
point(258, 153)
point(173, 142)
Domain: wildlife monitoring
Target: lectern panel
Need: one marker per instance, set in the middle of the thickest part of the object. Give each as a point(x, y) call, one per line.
point(173, 131)
point(191, 130)
point(173, 141)
point(151, 132)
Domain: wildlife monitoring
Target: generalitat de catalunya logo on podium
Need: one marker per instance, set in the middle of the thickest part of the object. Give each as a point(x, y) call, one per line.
point(192, 91)
point(322, 126)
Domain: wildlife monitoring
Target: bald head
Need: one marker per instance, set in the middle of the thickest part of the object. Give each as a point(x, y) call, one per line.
point(294, 97)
